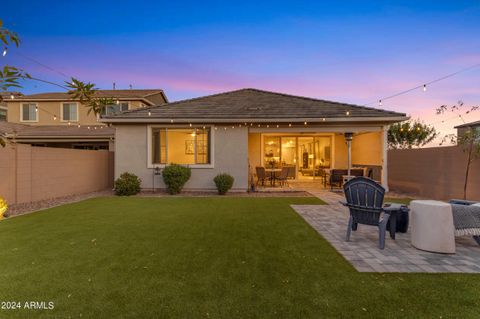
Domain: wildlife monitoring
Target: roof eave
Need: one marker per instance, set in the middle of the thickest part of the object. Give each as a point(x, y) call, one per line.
point(387, 119)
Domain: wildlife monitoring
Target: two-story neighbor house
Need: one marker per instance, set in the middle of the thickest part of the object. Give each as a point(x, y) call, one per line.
point(56, 120)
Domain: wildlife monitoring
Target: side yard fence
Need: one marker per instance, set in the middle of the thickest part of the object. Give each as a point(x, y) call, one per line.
point(433, 173)
point(29, 174)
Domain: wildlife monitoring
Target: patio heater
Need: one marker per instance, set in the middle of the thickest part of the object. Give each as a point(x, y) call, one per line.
point(348, 140)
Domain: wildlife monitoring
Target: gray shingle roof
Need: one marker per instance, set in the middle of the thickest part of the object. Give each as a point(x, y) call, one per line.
point(61, 131)
point(471, 124)
point(146, 94)
point(254, 104)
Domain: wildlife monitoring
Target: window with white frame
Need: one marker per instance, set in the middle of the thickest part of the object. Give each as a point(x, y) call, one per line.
point(29, 112)
point(115, 108)
point(180, 146)
point(69, 112)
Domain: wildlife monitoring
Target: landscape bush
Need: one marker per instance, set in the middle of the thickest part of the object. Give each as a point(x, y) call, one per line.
point(175, 176)
point(127, 184)
point(224, 183)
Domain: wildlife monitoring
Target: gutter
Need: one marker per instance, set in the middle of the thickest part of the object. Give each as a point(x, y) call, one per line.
point(250, 120)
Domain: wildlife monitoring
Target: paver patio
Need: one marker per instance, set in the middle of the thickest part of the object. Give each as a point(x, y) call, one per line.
point(398, 256)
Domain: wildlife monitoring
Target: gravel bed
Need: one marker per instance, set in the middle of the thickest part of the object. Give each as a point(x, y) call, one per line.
point(25, 208)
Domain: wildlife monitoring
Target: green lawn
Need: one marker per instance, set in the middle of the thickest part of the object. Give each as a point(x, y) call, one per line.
point(402, 200)
point(203, 258)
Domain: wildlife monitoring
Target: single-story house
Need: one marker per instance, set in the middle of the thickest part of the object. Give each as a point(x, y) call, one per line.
point(234, 132)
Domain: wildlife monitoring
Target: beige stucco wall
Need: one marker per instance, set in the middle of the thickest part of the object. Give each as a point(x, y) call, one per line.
point(367, 149)
point(230, 156)
point(30, 174)
point(46, 110)
point(340, 159)
point(254, 150)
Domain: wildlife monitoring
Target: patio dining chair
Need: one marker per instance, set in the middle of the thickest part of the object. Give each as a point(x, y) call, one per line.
point(283, 177)
point(364, 199)
point(261, 175)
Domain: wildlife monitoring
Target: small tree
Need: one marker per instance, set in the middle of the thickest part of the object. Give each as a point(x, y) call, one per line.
point(468, 141)
point(410, 134)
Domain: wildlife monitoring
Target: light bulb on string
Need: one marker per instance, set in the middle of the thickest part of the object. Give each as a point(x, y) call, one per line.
point(149, 113)
point(54, 117)
point(78, 125)
point(424, 88)
point(305, 123)
point(12, 96)
point(4, 51)
point(36, 108)
point(380, 102)
point(289, 124)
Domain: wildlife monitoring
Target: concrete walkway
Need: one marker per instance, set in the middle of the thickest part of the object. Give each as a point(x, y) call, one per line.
point(398, 256)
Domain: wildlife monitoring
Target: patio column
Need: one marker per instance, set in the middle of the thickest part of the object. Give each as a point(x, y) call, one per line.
point(348, 139)
point(385, 157)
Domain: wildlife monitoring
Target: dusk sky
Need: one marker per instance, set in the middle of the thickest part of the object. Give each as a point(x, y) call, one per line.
point(353, 52)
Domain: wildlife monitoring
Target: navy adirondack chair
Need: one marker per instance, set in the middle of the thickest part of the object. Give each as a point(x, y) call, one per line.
point(364, 198)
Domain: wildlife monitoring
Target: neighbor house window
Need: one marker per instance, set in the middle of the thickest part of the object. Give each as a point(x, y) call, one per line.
point(181, 146)
point(69, 112)
point(29, 112)
point(115, 108)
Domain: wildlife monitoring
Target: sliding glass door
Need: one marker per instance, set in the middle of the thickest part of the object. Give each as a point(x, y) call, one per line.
point(308, 154)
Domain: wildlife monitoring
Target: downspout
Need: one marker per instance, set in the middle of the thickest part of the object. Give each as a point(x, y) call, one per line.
point(348, 139)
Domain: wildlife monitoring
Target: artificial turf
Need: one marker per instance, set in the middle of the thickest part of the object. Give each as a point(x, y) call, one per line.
point(203, 258)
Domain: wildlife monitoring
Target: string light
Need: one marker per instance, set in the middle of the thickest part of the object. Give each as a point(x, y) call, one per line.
point(278, 126)
point(258, 125)
point(69, 123)
point(36, 108)
point(305, 123)
point(215, 128)
point(424, 85)
point(289, 124)
point(12, 96)
point(380, 102)
point(149, 113)
point(78, 125)
point(190, 124)
point(88, 127)
point(347, 113)
point(268, 125)
point(4, 51)
point(171, 121)
point(117, 102)
point(54, 117)
point(324, 119)
point(225, 128)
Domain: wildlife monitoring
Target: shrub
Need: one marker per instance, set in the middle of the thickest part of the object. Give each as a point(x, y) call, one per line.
point(127, 184)
point(175, 176)
point(224, 183)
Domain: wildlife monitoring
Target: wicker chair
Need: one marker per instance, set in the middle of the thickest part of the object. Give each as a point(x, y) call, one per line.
point(283, 177)
point(261, 175)
point(364, 198)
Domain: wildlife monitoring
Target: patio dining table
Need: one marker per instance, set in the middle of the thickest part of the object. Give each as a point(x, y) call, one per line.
point(273, 174)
